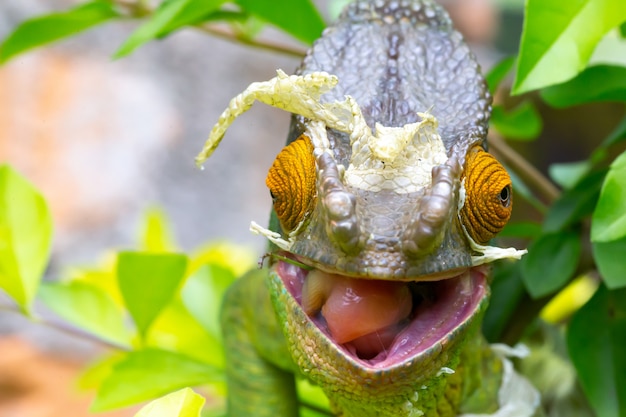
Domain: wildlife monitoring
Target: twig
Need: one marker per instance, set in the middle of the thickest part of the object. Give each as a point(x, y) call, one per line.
point(529, 174)
point(65, 328)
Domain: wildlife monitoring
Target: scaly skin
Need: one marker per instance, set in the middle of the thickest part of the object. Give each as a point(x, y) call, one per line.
point(402, 65)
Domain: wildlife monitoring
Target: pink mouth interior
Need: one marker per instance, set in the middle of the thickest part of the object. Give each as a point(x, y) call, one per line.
point(381, 323)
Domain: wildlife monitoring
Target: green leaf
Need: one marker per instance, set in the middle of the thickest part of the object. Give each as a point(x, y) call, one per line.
point(595, 340)
point(182, 403)
point(178, 331)
point(568, 174)
point(609, 218)
point(25, 237)
point(609, 257)
point(499, 72)
point(575, 204)
point(529, 230)
point(617, 135)
point(202, 295)
point(559, 37)
point(550, 263)
point(171, 15)
point(522, 123)
point(622, 30)
point(151, 373)
point(49, 28)
point(87, 307)
point(148, 282)
point(156, 235)
point(507, 291)
point(599, 83)
point(299, 18)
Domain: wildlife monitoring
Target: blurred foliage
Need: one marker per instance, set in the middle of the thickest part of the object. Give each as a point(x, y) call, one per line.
point(158, 308)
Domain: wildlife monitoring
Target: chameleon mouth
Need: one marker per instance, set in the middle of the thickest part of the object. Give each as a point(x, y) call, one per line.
point(382, 323)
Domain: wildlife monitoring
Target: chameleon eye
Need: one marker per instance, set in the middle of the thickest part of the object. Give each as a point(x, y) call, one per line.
point(488, 196)
point(291, 181)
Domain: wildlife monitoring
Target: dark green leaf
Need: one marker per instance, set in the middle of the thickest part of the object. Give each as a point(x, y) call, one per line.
point(622, 30)
point(617, 135)
point(507, 289)
point(610, 259)
point(299, 18)
point(595, 341)
point(171, 15)
point(25, 237)
point(609, 218)
point(49, 28)
point(499, 72)
point(528, 230)
point(148, 282)
point(148, 374)
point(87, 307)
point(550, 263)
point(575, 204)
point(182, 403)
point(559, 37)
point(521, 123)
point(598, 83)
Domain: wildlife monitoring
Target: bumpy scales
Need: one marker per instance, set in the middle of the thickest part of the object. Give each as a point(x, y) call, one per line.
point(385, 201)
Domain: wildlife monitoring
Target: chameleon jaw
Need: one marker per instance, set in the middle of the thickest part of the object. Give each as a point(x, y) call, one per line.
point(440, 310)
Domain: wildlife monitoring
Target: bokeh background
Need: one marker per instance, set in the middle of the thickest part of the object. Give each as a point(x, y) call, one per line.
point(106, 140)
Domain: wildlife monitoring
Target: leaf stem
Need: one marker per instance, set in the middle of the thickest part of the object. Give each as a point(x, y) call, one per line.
point(64, 328)
point(529, 174)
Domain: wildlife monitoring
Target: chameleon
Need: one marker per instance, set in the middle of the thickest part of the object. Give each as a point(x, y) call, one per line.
point(385, 200)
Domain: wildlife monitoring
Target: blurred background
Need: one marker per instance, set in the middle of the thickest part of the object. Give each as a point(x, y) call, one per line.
point(106, 140)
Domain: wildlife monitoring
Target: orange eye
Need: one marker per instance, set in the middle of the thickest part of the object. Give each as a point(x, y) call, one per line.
point(291, 181)
point(488, 196)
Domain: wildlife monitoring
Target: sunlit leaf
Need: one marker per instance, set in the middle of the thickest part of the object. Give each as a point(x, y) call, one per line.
point(609, 257)
point(156, 234)
point(559, 37)
point(499, 72)
point(148, 374)
point(595, 341)
point(202, 295)
point(609, 218)
point(177, 330)
point(299, 18)
point(88, 308)
point(25, 237)
point(169, 16)
point(236, 258)
point(598, 83)
point(312, 394)
point(49, 28)
point(148, 282)
point(551, 261)
point(521, 123)
point(575, 204)
point(569, 300)
point(182, 403)
point(95, 373)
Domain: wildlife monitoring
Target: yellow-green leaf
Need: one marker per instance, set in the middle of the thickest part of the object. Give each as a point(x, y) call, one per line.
point(182, 403)
point(609, 217)
point(559, 37)
point(25, 237)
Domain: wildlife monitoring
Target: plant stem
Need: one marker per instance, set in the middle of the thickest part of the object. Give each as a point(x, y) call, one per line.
point(65, 328)
point(527, 172)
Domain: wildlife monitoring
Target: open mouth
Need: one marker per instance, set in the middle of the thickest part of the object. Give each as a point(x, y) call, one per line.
point(381, 323)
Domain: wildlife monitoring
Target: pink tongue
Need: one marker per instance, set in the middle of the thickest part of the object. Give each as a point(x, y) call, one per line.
point(356, 307)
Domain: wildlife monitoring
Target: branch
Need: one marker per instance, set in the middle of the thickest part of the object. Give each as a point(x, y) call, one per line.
point(527, 172)
point(64, 328)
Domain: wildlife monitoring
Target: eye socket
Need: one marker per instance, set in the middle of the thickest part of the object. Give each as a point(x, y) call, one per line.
point(291, 181)
point(488, 196)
